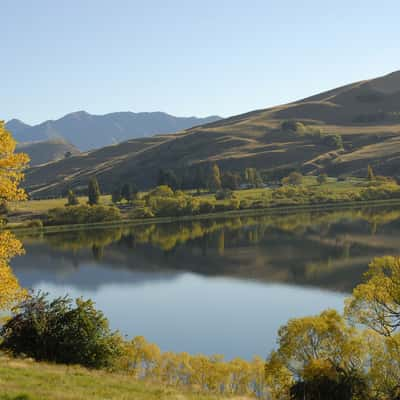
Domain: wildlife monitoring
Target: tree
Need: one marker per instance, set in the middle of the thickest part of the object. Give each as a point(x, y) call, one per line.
point(214, 179)
point(10, 290)
point(11, 168)
point(116, 195)
point(93, 191)
point(230, 180)
point(376, 302)
point(11, 174)
point(323, 354)
point(252, 177)
point(128, 192)
point(371, 175)
point(168, 177)
point(295, 178)
point(322, 178)
point(200, 177)
point(72, 200)
point(61, 331)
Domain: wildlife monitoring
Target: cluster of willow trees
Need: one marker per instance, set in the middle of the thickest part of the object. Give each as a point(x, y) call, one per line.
point(210, 374)
point(344, 357)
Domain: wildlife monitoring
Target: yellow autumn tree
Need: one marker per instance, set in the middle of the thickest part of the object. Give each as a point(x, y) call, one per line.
point(11, 168)
point(10, 290)
point(376, 302)
point(11, 174)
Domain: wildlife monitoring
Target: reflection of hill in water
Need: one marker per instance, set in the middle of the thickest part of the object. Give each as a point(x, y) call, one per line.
point(329, 250)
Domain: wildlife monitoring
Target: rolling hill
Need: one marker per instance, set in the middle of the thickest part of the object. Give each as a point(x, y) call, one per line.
point(46, 151)
point(365, 116)
point(87, 131)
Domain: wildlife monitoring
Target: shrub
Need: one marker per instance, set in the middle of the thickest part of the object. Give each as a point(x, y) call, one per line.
point(82, 214)
point(206, 207)
point(61, 331)
point(160, 191)
point(72, 200)
point(294, 126)
point(322, 178)
point(35, 223)
point(224, 194)
point(244, 204)
point(295, 178)
point(333, 141)
point(142, 212)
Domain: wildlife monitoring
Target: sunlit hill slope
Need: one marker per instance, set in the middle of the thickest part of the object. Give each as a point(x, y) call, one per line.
point(366, 115)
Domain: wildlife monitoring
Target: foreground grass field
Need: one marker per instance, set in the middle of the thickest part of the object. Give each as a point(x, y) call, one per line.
point(28, 380)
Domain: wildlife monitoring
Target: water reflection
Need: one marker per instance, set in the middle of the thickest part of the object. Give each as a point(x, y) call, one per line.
point(213, 279)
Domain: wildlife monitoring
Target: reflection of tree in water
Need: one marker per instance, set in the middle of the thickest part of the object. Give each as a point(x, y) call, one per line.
point(320, 248)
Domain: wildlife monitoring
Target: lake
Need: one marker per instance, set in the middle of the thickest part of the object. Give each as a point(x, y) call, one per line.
point(221, 286)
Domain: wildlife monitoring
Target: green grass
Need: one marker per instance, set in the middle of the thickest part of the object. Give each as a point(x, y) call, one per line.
point(28, 380)
point(36, 207)
point(32, 208)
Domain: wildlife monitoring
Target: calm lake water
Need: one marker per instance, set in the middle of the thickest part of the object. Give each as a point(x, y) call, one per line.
point(218, 286)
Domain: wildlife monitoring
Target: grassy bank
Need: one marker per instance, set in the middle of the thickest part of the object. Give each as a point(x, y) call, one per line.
point(28, 380)
point(220, 215)
point(310, 196)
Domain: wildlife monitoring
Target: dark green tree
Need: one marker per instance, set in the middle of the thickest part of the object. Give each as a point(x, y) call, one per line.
point(295, 178)
point(93, 191)
point(61, 331)
point(230, 180)
point(322, 178)
point(371, 175)
point(116, 195)
point(169, 178)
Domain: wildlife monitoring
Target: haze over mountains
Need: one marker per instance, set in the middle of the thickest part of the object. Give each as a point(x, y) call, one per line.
point(88, 132)
point(365, 115)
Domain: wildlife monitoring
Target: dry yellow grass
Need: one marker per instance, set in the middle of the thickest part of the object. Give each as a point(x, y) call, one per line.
point(28, 380)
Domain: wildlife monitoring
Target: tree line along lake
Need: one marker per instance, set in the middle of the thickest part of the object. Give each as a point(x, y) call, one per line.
point(216, 286)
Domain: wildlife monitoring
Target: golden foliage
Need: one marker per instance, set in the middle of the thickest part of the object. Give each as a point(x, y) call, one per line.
point(11, 166)
point(10, 291)
point(376, 302)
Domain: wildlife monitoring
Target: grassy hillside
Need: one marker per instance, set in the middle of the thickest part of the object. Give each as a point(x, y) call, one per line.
point(27, 380)
point(366, 115)
point(46, 151)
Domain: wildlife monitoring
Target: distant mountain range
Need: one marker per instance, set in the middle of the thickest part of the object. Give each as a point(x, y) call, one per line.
point(342, 132)
point(86, 131)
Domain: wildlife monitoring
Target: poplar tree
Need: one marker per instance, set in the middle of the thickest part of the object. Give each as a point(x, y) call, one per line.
point(93, 192)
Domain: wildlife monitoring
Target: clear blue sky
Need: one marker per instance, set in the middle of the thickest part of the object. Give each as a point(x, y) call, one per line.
point(186, 57)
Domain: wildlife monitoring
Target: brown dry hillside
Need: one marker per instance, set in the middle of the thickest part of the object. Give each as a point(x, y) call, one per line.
point(365, 114)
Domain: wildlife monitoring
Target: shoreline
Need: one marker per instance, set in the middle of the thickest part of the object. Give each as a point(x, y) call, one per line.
point(252, 212)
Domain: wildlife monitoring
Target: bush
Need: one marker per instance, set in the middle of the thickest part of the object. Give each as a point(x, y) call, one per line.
point(61, 331)
point(72, 200)
point(295, 178)
point(322, 178)
point(160, 191)
point(333, 141)
point(35, 223)
point(142, 212)
point(82, 214)
point(224, 194)
point(245, 204)
point(206, 207)
point(294, 126)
